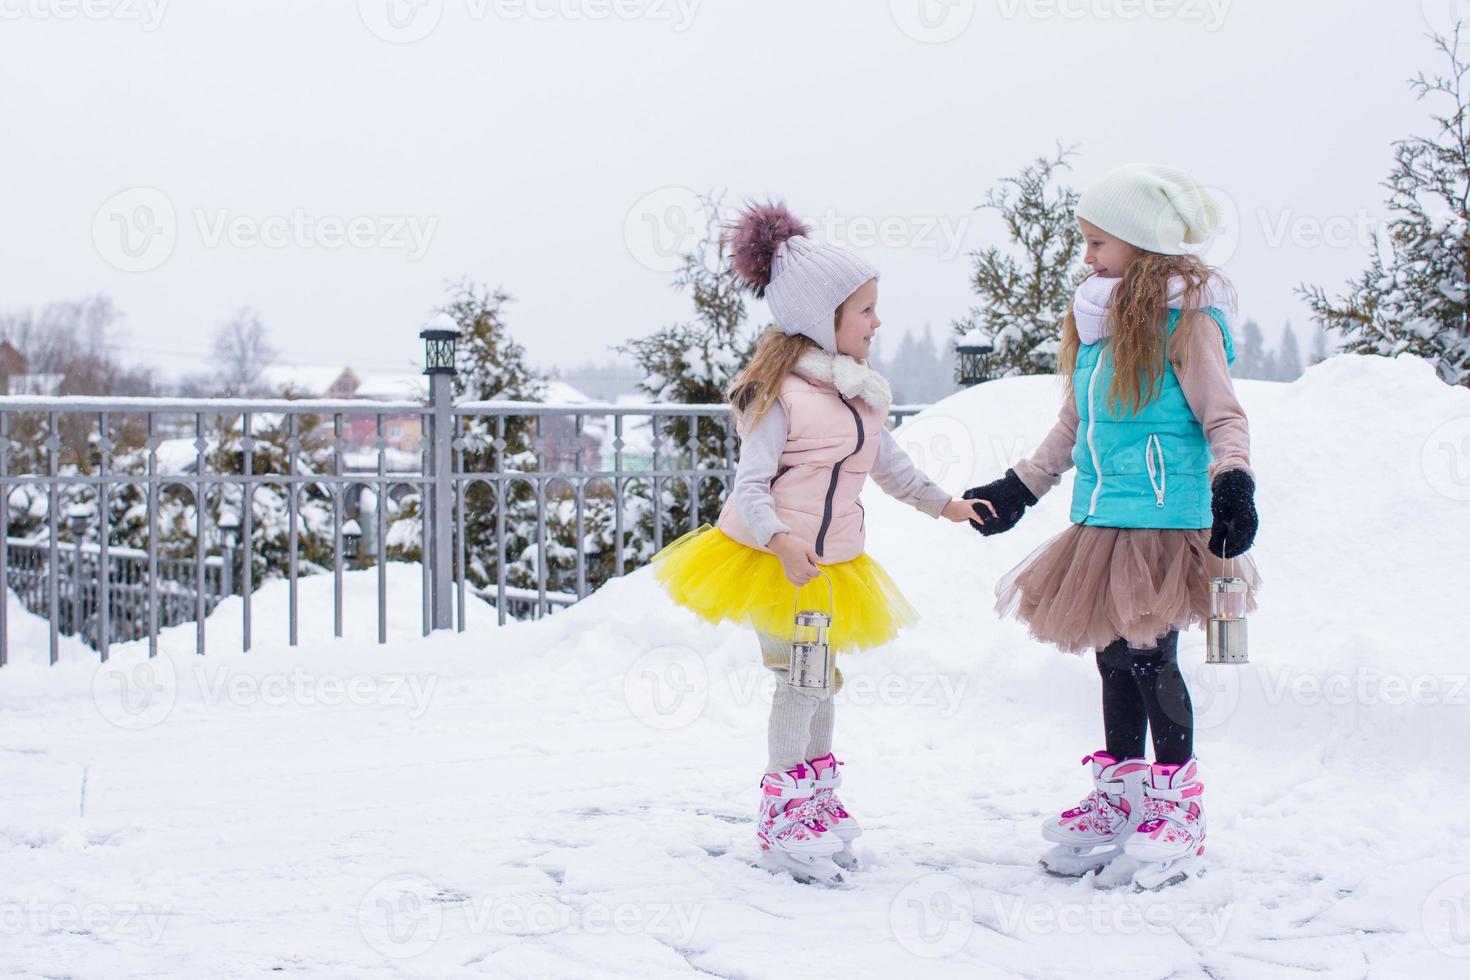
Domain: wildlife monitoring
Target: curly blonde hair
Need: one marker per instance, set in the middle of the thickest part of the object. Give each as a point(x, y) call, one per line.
point(1139, 343)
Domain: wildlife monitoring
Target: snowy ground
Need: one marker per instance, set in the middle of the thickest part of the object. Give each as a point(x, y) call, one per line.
point(571, 798)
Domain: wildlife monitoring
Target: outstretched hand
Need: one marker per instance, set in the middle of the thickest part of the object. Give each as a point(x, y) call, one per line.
point(1007, 499)
point(967, 511)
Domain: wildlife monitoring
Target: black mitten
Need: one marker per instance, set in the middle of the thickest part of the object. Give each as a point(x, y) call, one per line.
point(1010, 498)
point(1233, 505)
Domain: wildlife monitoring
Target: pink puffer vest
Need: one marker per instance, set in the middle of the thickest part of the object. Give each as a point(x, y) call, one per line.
point(831, 446)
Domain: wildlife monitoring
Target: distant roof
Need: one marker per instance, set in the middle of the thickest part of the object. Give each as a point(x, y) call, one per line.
point(377, 385)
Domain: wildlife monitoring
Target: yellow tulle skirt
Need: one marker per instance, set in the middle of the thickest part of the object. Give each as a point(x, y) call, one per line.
point(722, 580)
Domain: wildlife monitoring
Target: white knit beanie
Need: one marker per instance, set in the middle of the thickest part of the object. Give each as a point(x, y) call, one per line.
point(804, 280)
point(1157, 209)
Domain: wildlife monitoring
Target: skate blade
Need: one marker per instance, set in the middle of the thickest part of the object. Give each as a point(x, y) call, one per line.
point(1157, 877)
point(806, 869)
point(846, 859)
point(1064, 862)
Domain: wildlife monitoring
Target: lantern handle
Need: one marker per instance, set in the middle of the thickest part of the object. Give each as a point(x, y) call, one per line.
point(831, 602)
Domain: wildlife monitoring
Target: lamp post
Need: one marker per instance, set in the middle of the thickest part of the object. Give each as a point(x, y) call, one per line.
point(440, 335)
point(229, 530)
point(973, 348)
point(78, 516)
point(351, 540)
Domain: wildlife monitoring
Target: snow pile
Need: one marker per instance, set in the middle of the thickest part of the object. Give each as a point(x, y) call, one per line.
point(572, 797)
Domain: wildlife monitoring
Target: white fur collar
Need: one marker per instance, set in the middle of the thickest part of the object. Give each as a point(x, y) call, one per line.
point(1094, 298)
point(851, 377)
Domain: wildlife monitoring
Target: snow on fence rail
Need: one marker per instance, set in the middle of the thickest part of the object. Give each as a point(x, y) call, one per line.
point(289, 487)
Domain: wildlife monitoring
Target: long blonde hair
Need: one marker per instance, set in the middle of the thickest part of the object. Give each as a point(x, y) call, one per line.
point(754, 389)
point(1137, 317)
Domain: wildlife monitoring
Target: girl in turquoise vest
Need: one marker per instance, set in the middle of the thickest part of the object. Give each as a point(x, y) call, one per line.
point(1164, 496)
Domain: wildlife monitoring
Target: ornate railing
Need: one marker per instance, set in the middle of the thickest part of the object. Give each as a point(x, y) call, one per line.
point(130, 515)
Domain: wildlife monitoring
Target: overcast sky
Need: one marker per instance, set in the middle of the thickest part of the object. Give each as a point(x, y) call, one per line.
point(331, 163)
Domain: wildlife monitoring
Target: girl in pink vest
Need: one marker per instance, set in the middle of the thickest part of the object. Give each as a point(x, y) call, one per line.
point(812, 416)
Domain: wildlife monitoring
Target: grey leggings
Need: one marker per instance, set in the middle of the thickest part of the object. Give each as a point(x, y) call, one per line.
point(801, 721)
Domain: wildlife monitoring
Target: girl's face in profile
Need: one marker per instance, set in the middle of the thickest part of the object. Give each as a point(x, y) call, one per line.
point(857, 321)
point(1106, 256)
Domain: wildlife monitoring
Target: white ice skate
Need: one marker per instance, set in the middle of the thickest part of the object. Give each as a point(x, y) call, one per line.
point(834, 815)
point(1091, 834)
point(1170, 842)
point(790, 830)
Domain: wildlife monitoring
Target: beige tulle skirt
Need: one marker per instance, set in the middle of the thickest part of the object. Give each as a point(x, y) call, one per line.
point(1089, 585)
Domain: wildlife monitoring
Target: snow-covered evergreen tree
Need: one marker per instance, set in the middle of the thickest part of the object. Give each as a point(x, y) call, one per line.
point(1025, 290)
point(1249, 352)
point(1413, 297)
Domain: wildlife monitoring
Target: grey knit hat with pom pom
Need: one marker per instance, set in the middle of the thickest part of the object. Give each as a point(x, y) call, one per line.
point(805, 281)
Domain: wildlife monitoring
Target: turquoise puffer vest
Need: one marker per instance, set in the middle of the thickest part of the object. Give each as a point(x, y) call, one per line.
point(1145, 470)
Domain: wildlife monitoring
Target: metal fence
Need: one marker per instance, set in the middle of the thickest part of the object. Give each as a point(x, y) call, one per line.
point(85, 467)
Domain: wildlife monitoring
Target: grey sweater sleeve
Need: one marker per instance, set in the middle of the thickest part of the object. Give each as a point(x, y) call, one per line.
point(1044, 469)
point(760, 455)
point(897, 476)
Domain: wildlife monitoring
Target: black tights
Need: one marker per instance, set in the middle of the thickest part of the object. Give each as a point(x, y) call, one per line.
point(1142, 690)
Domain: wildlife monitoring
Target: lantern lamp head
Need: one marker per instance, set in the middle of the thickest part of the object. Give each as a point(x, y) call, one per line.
point(351, 539)
point(973, 348)
point(440, 336)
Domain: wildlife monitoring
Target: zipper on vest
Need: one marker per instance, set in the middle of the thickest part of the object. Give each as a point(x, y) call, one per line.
point(836, 472)
point(1091, 426)
point(1158, 476)
point(780, 473)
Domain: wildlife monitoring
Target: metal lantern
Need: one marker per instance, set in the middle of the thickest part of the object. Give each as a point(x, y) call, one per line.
point(229, 527)
point(351, 539)
point(811, 656)
point(972, 349)
point(440, 336)
point(1225, 635)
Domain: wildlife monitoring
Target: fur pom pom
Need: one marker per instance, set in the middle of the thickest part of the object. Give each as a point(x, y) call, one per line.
point(754, 238)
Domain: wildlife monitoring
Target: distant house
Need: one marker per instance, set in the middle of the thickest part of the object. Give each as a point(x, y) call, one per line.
point(16, 377)
point(402, 434)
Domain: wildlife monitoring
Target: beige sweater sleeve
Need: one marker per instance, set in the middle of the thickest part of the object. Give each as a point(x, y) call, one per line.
point(1207, 386)
point(1044, 469)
